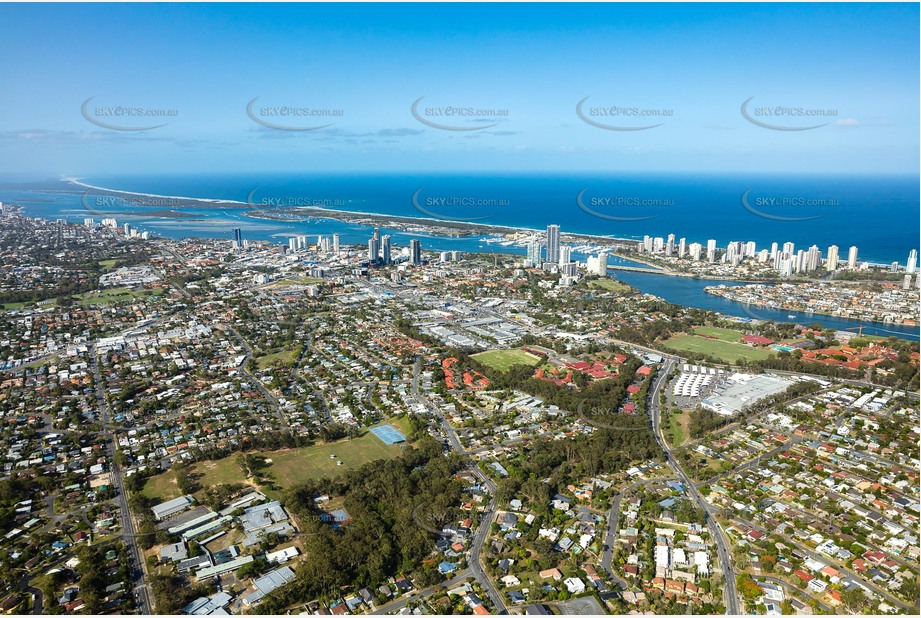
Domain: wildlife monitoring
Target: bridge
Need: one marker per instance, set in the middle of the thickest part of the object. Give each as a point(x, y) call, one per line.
point(637, 269)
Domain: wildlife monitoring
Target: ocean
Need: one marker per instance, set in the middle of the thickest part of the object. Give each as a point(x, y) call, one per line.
point(880, 215)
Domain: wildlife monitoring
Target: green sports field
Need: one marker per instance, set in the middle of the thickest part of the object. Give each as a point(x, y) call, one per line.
point(110, 295)
point(289, 467)
point(501, 360)
point(725, 351)
point(724, 334)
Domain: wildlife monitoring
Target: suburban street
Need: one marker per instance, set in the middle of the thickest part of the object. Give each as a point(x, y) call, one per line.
point(135, 558)
point(613, 524)
point(476, 564)
point(397, 605)
point(825, 559)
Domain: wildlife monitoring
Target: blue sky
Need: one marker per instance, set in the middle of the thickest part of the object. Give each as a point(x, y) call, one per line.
point(696, 64)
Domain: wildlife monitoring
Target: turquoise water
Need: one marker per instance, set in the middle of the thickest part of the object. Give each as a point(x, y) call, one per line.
point(889, 233)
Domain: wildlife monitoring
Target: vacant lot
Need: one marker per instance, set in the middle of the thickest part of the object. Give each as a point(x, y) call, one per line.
point(501, 360)
point(285, 358)
point(293, 281)
point(725, 351)
point(611, 285)
point(678, 427)
point(289, 467)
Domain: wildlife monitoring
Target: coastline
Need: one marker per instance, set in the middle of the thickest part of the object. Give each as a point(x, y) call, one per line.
point(331, 213)
point(436, 227)
point(179, 201)
point(908, 334)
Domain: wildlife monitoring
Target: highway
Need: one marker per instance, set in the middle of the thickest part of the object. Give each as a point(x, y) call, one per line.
point(730, 595)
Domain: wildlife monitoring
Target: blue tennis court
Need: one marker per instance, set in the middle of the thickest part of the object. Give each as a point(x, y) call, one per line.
point(388, 434)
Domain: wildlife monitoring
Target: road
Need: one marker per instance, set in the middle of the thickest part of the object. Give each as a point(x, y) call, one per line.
point(512, 442)
point(827, 560)
point(794, 589)
point(911, 394)
point(244, 344)
point(482, 533)
point(766, 456)
point(395, 606)
point(809, 515)
point(613, 525)
point(37, 595)
point(730, 595)
point(259, 385)
point(135, 558)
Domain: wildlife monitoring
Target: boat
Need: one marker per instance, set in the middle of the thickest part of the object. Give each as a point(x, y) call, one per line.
point(791, 316)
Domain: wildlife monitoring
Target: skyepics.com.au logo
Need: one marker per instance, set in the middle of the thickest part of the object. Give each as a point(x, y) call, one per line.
point(280, 202)
point(296, 118)
point(432, 518)
point(785, 117)
point(111, 204)
point(752, 311)
point(786, 207)
point(457, 207)
point(458, 117)
point(125, 117)
point(620, 207)
point(622, 117)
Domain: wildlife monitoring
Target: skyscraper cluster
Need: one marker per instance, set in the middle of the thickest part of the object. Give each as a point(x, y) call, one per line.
point(785, 259)
point(559, 259)
point(380, 250)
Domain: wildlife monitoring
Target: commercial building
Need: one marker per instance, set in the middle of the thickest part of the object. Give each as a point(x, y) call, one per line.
point(171, 507)
point(831, 261)
point(224, 567)
point(374, 249)
point(740, 390)
point(533, 254)
point(267, 583)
